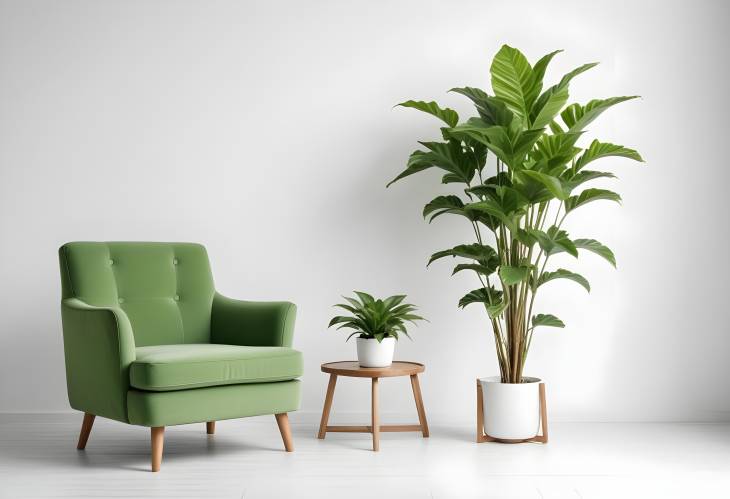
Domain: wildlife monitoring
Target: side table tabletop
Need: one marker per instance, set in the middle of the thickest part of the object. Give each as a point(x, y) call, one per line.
point(353, 369)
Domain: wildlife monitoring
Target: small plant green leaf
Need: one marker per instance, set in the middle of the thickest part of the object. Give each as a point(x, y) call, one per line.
point(375, 318)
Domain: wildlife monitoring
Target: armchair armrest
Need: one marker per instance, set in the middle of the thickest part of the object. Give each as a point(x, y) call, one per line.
point(251, 323)
point(99, 347)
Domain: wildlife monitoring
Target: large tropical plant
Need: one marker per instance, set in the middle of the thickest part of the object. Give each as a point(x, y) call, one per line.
point(539, 177)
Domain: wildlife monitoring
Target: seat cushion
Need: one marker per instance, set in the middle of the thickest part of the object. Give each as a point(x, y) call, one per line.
point(179, 367)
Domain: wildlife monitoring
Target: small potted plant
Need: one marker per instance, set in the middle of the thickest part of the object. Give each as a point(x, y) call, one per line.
point(377, 323)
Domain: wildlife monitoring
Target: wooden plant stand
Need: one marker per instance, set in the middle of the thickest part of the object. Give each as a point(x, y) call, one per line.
point(353, 369)
point(482, 435)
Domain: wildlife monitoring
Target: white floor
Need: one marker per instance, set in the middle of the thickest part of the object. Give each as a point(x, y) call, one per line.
point(245, 460)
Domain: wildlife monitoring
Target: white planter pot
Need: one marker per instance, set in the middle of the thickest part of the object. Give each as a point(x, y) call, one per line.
point(511, 411)
point(371, 353)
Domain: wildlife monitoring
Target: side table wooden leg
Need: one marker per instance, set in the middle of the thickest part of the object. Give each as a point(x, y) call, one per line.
point(375, 416)
point(327, 406)
point(419, 404)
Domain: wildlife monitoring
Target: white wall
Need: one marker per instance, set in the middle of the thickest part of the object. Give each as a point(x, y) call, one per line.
point(265, 130)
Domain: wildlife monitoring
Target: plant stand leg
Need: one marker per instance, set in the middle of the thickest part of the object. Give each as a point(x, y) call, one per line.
point(543, 416)
point(85, 430)
point(375, 416)
point(327, 406)
point(419, 405)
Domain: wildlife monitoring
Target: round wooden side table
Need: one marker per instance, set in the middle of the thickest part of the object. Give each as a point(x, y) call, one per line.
point(353, 369)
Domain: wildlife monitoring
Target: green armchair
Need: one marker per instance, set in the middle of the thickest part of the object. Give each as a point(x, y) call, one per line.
point(149, 342)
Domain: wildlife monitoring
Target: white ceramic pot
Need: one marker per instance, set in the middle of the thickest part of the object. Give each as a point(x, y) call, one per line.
point(511, 410)
point(371, 353)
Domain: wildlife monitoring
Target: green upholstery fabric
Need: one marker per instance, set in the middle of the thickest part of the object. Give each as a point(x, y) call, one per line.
point(166, 289)
point(99, 348)
point(237, 322)
point(177, 367)
point(212, 404)
point(146, 315)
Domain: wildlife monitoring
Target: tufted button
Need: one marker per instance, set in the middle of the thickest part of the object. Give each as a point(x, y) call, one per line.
point(176, 297)
point(111, 262)
point(121, 300)
point(174, 261)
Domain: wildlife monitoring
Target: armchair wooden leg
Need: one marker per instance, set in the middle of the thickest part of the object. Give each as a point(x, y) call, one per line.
point(210, 427)
point(283, 421)
point(85, 430)
point(158, 439)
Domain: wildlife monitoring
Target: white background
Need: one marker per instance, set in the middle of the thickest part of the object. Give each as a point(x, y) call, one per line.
point(265, 131)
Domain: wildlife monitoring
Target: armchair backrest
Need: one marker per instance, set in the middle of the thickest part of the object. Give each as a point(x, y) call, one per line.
point(166, 289)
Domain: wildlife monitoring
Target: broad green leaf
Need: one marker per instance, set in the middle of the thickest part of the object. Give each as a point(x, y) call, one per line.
point(477, 95)
point(549, 104)
point(538, 70)
point(513, 81)
point(588, 196)
point(478, 268)
point(495, 310)
point(565, 80)
point(513, 275)
point(492, 208)
point(546, 320)
point(556, 150)
point(448, 116)
point(491, 110)
point(449, 156)
point(554, 184)
point(599, 150)
point(480, 252)
point(417, 162)
point(574, 180)
point(564, 274)
point(555, 127)
point(554, 241)
point(443, 204)
point(577, 117)
point(481, 295)
point(525, 237)
point(506, 205)
point(597, 248)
